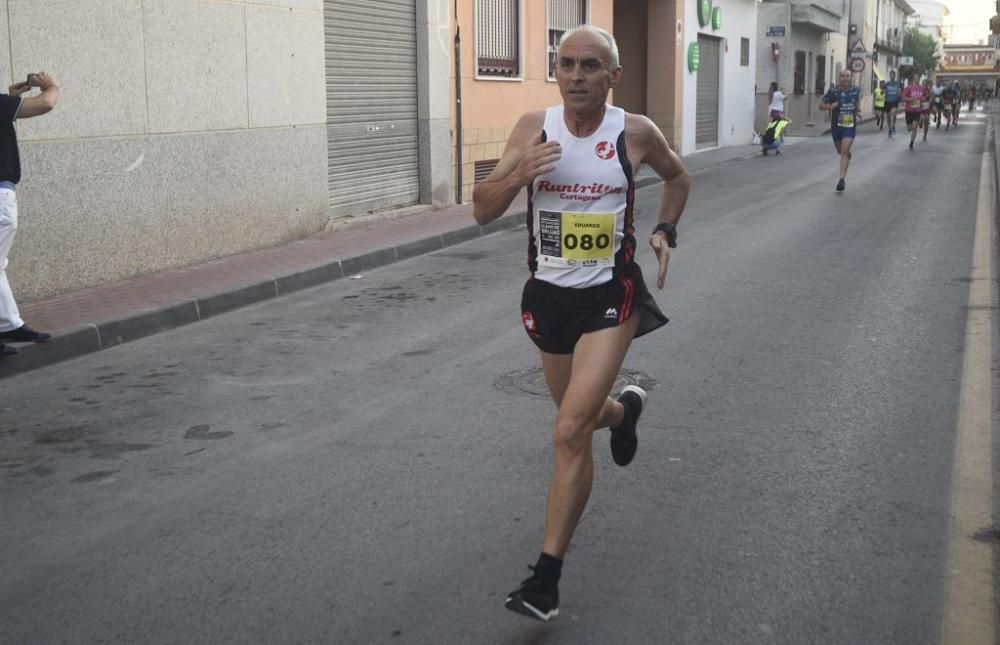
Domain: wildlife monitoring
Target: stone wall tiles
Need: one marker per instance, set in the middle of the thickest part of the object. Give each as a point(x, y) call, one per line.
point(286, 66)
point(196, 65)
point(95, 52)
point(312, 5)
point(5, 70)
point(100, 210)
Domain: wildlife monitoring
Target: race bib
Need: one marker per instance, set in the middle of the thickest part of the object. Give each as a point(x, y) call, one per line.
point(846, 121)
point(576, 239)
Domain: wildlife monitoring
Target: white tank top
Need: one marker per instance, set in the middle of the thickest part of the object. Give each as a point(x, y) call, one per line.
point(580, 214)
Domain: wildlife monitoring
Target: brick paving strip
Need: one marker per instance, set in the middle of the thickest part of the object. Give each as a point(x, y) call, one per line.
point(97, 318)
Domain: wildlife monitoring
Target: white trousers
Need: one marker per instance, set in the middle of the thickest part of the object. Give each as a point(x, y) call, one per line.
point(10, 317)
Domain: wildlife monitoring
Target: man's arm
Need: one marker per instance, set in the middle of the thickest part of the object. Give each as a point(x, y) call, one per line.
point(657, 154)
point(524, 158)
point(37, 105)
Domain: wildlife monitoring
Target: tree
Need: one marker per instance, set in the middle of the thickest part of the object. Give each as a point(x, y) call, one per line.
point(922, 48)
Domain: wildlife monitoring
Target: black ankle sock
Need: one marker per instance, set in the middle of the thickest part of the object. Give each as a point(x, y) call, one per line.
point(548, 568)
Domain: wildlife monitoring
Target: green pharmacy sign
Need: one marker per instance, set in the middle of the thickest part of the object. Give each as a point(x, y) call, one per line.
point(704, 12)
point(717, 18)
point(694, 56)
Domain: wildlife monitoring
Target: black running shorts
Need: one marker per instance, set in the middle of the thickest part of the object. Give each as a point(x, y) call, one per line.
point(556, 317)
point(913, 117)
point(891, 105)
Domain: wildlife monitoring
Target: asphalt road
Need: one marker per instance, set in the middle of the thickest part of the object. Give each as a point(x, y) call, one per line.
point(363, 463)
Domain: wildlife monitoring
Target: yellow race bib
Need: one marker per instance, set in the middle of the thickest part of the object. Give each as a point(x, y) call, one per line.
point(846, 121)
point(576, 239)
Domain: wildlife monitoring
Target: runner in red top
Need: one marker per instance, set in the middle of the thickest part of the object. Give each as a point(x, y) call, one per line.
point(914, 96)
point(926, 117)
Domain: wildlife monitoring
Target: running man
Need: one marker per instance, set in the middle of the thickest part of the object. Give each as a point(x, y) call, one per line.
point(892, 94)
point(913, 104)
point(844, 104)
point(925, 118)
point(879, 95)
point(957, 107)
point(937, 103)
point(948, 99)
point(585, 300)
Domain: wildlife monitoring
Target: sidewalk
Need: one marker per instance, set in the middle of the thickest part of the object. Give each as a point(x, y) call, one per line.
point(93, 319)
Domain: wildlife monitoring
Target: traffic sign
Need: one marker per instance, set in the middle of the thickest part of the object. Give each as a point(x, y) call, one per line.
point(857, 64)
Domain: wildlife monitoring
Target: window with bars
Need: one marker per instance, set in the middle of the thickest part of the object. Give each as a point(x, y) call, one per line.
point(800, 73)
point(820, 75)
point(498, 38)
point(563, 15)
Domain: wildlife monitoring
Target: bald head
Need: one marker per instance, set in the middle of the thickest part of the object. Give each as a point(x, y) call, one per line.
point(597, 35)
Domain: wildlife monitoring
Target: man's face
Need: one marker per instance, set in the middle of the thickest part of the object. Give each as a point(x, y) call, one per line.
point(881, 85)
point(892, 76)
point(584, 73)
point(845, 79)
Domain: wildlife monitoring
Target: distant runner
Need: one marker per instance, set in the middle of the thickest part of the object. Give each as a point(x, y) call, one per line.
point(913, 103)
point(843, 102)
point(879, 94)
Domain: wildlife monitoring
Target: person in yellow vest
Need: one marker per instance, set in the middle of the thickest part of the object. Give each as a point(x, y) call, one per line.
point(879, 94)
point(774, 136)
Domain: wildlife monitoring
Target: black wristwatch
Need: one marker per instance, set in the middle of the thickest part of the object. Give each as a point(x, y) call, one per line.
point(671, 232)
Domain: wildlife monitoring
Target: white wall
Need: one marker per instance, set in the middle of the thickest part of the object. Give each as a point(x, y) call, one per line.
point(186, 130)
point(736, 94)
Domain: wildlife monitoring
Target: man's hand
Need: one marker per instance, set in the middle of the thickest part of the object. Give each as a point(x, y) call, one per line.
point(539, 159)
point(659, 243)
point(45, 81)
point(17, 89)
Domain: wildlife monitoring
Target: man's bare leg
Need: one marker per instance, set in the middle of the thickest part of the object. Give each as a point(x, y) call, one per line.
point(584, 406)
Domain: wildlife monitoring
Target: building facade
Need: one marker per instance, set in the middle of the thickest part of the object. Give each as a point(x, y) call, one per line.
point(803, 48)
point(971, 65)
point(199, 128)
point(677, 57)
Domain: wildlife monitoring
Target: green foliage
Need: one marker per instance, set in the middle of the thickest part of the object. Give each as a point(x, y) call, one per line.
point(923, 48)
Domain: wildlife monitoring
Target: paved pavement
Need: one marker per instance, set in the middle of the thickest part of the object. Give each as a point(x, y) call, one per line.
point(93, 319)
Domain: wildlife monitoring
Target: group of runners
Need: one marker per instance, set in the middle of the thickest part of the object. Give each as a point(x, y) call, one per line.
point(921, 101)
point(941, 102)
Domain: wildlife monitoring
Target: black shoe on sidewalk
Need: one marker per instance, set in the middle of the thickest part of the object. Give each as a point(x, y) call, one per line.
point(535, 599)
point(841, 185)
point(7, 350)
point(25, 334)
point(623, 438)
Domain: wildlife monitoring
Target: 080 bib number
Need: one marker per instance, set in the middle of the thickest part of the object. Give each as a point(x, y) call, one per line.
point(568, 239)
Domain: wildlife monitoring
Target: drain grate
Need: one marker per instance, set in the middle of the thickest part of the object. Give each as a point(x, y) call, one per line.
point(531, 382)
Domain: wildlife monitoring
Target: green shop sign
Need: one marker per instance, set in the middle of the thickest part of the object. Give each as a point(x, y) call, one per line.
point(717, 18)
point(704, 12)
point(693, 57)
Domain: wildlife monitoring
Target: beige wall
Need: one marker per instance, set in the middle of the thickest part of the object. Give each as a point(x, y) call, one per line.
point(490, 107)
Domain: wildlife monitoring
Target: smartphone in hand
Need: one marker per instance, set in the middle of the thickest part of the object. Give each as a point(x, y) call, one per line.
point(34, 80)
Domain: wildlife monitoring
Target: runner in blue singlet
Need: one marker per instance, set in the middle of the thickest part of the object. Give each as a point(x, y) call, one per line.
point(843, 101)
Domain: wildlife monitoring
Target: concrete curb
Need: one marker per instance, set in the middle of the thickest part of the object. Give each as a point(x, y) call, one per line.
point(88, 338)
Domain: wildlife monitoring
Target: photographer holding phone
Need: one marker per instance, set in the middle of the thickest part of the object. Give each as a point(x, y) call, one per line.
point(15, 105)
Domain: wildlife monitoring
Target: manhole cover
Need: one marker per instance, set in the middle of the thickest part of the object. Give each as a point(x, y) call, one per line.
point(532, 382)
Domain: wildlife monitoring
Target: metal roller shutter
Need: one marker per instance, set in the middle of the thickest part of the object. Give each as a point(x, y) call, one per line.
point(707, 108)
point(371, 98)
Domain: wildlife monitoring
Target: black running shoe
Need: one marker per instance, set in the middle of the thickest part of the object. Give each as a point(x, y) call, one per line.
point(534, 599)
point(25, 334)
point(841, 185)
point(623, 438)
point(7, 350)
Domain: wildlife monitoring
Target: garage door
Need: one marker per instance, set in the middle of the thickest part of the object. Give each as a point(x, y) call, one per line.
point(371, 90)
point(707, 109)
